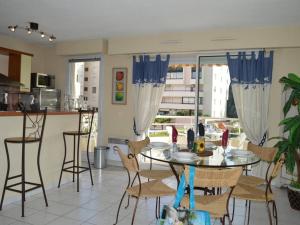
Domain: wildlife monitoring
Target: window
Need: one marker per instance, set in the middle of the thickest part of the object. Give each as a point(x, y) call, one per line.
point(194, 73)
point(188, 100)
point(201, 100)
point(176, 75)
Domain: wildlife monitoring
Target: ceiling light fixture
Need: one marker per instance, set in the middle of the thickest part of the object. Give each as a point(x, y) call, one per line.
point(33, 27)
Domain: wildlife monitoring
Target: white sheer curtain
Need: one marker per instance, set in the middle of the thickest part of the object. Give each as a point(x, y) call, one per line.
point(252, 106)
point(149, 78)
point(251, 78)
point(147, 98)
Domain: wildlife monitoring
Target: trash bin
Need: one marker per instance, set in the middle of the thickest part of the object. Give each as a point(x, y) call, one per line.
point(100, 157)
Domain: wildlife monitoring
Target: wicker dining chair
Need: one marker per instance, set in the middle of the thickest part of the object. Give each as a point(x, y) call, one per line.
point(151, 189)
point(136, 147)
point(216, 205)
point(266, 154)
point(251, 193)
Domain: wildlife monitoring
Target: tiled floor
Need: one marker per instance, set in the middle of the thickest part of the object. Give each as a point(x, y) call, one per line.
point(98, 205)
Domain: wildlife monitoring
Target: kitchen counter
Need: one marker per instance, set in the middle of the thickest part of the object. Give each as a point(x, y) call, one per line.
point(18, 113)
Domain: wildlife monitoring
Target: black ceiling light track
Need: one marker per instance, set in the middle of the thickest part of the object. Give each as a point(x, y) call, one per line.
point(32, 27)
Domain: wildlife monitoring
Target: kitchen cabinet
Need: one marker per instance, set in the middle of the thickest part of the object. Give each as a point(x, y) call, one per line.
point(19, 67)
point(25, 72)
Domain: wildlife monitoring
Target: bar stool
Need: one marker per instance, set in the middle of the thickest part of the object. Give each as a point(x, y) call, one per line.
point(33, 131)
point(86, 118)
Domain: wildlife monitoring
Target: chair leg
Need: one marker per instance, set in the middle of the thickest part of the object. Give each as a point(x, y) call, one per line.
point(23, 178)
point(158, 207)
point(117, 218)
point(233, 210)
point(61, 172)
point(129, 196)
point(41, 179)
point(134, 211)
point(156, 203)
point(128, 200)
point(88, 158)
point(7, 174)
point(78, 165)
point(275, 215)
point(269, 213)
point(249, 207)
point(74, 150)
point(223, 220)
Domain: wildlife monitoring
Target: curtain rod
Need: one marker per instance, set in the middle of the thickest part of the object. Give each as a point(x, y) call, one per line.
point(222, 51)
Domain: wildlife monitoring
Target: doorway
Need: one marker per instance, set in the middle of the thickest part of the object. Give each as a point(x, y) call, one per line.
point(84, 92)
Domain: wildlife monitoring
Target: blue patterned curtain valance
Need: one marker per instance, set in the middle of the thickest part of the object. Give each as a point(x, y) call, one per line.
point(147, 71)
point(250, 70)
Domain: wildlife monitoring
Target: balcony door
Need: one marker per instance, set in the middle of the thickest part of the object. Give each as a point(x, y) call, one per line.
point(197, 90)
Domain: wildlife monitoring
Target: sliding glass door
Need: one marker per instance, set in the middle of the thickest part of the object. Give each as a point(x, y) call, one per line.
point(197, 90)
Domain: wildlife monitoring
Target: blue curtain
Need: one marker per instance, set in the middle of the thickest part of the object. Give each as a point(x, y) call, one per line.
point(250, 70)
point(146, 71)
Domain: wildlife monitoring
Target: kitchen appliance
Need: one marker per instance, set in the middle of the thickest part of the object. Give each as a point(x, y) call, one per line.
point(45, 97)
point(42, 80)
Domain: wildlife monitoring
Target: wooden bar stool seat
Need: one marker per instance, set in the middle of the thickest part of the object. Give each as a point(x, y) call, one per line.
point(20, 139)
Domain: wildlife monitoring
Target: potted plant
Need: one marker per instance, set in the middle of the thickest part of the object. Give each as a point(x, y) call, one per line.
point(290, 145)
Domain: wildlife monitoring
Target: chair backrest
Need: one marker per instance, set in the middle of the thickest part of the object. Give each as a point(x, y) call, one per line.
point(277, 167)
point(137, 146)
point(265, 153)
point(128, 161)
point(86, 119)
point(205, 177)
point(34, 124)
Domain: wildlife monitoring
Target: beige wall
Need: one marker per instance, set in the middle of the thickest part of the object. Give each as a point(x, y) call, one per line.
point(286, 60)
point(220, 39)
point(38, 51)
point(93, 46)
point(118, 119)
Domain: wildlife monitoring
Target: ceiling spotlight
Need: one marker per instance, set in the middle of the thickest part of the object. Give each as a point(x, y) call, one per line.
point(29, 31)
point(32, 28)
point(12, 28)
point(52, 38)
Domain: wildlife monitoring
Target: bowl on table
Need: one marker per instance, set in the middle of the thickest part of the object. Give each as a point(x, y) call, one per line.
point(184, 156)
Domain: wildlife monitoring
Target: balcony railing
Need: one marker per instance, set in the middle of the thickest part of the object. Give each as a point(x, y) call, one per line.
point(160, 131)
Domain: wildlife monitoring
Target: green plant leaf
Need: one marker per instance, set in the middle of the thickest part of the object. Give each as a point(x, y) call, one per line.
point(286, 121)
point(288, 103)
point(290, 160)
point(294, 77)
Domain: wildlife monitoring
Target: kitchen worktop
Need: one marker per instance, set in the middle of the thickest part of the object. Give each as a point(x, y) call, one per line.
point(18, 113)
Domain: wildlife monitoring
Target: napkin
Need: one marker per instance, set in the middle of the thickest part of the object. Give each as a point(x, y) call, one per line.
point(201, 130)
point(190, 138)
point(225, 136)
point(174, 134)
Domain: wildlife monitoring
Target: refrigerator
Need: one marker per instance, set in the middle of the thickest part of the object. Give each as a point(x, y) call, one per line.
point(45, 97)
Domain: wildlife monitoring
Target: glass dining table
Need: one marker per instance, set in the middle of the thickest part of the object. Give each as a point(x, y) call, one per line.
point(232, 158)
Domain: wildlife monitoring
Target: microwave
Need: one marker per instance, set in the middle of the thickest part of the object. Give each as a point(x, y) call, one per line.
point(41, 80)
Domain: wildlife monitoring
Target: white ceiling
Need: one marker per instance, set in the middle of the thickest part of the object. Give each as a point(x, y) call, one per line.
point(87, 19)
